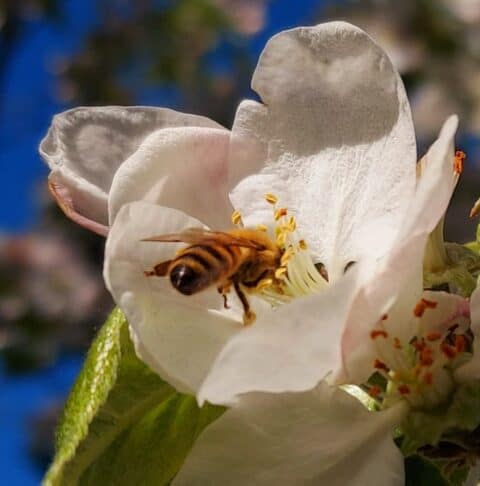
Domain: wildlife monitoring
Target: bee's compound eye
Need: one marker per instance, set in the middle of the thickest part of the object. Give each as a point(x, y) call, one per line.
point(184, 279)
point(348, 265)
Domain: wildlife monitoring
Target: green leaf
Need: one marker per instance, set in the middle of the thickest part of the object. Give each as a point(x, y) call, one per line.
point(421, 472)
point(122, 424)
point(461, 272)
point(462, 413)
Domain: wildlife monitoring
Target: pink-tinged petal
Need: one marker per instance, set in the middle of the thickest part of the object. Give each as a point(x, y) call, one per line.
point(66, 201)
point(323, 436)
point(289, 349)
point(85, 146)
point(334, 140)
point(471, 370)
point(178, 336)
point(183, 168)
point(449, 309)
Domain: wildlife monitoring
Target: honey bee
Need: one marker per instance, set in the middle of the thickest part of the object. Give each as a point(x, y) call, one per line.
point(239, 257)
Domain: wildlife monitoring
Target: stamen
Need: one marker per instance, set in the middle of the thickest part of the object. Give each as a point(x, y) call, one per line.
point(236, 218)
point(428, 378)
point(280, 273)
point(422, 306)
point(264, 283)
point(449, 351)
point(302, 245)
point(380, 365)
point(378, 333)
point(403, 389)
point(396, 343)
point(460, 343)
point(426, 356)
point(262, 227)
point(292, 224)
point(279, 213)
point(271, 198)
point(281, 239)
point(384, 317)
point(374, 391)
point(433, 336)
point(458, 162)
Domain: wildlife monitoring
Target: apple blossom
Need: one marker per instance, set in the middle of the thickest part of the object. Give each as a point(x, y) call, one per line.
point(332, 145)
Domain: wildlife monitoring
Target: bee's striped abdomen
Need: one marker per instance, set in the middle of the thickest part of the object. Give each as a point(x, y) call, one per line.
point(199, 266)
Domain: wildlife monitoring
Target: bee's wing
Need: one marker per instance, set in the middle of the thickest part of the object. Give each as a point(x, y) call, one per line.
point(200, 236)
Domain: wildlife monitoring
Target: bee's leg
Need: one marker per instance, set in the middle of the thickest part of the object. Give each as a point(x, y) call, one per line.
point(223, 290)
point(248, 315)
point(159, 270)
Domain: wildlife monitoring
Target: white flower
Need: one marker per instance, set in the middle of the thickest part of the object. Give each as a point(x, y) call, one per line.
point(333, 139)
point(324, 436)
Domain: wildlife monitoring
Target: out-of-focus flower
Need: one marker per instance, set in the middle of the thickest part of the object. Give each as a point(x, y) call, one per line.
point(467, 11)
point(51, 295)
point(248, 16)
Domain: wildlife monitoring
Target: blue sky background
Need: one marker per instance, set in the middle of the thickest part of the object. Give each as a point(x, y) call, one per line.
point(26, 108)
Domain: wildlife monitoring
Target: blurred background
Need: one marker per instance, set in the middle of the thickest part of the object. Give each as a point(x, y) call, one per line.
point(190, 55)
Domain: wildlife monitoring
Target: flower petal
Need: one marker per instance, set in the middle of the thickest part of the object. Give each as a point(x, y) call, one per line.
point(334, 141)
point(85, 146)
point(323, 436)
point(178, 336)
point(290, 349)
point(398, 275)
point(183, 168)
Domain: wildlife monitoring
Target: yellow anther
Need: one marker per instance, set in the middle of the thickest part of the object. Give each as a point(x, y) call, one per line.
point(281, 238)
point(236, 217)
point(302, 244)
point(271, 198)
point(292, 224)
point(264, 283)
point(262, 227)
point(280, 273)
point(279, 213)
point(286, 256)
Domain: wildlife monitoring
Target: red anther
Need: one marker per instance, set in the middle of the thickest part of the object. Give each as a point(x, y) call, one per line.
point(378, 333)
point(380, 365)
point(449, 351)
point(434, 336)
point(374, 391)
point(419, 345)
point(384, 317)
point(426, 358)
point(396, 343)
point(458, 162)
point(428, 378)
point(404, 389)
point(453, 328)
point(422, 306)
point(460, 343)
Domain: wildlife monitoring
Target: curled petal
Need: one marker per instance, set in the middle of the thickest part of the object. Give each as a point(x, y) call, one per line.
point(66, 201)
point(323, 436)
point(398, 275)
point(334, 140)
point(178, 336)
point(85, 146)
point(183, 168)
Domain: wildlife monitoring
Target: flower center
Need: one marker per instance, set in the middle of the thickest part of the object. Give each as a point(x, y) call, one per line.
point(295, 274)
point(419, 371)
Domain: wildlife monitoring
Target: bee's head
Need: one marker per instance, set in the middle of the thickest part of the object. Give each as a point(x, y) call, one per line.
point(186, 279)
